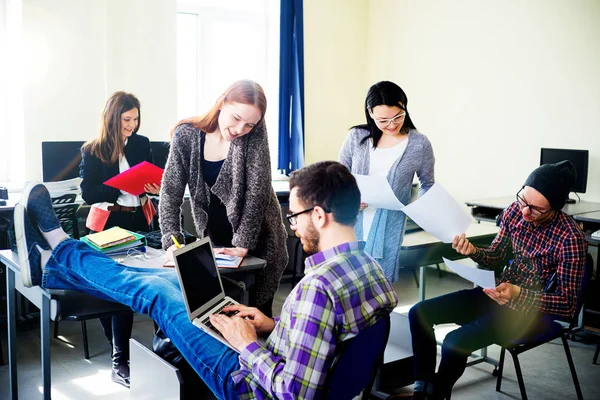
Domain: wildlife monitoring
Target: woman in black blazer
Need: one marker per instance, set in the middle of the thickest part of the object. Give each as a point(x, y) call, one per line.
point(117, 148)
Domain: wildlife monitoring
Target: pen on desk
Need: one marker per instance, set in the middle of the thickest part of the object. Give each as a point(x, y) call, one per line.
point(175, 241)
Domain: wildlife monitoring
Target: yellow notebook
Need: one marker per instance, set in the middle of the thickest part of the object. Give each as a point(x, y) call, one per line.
point(111, 237)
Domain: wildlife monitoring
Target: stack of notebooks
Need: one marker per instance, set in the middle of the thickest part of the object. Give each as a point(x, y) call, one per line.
point(116, 241)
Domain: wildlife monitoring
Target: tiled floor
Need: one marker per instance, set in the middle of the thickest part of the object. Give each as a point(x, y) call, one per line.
point(545, 369)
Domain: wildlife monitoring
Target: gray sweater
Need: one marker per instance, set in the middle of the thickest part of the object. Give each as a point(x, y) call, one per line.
point(244, 187)
point(387, 231)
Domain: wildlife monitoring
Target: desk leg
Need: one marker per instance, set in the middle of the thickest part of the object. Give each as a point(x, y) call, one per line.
point(45, 339)
point(422, 283)
point(12, 332)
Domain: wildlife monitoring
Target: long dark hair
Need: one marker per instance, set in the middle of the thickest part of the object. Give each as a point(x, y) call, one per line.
point(109, 143)
point(384, 93)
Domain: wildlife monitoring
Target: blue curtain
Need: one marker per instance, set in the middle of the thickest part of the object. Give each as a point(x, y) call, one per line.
point(291, 87)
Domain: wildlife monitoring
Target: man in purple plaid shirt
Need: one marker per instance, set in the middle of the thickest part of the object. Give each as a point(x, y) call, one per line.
point(545, 242)
point(342, 290)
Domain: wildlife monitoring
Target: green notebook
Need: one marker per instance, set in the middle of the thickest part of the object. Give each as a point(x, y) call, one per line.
point(139, 240)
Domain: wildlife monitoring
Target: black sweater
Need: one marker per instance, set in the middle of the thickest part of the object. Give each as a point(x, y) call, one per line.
point(94, 172)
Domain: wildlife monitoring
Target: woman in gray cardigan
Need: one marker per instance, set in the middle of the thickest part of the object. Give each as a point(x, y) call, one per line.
point(387, 145)
point(223, 157)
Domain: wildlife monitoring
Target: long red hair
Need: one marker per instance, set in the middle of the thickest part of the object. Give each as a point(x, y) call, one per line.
point(243, 91)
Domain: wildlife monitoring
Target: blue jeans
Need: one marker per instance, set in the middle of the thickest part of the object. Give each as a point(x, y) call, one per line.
point(152, 291)
point(483, 322)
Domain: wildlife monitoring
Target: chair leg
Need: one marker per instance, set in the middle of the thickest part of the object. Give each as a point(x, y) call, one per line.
point(595, 360)
point(414, 270)
point(572, 367)
point(519, 376)
point(500, 369)
point(56, 329)
point(439, 270)
point(86, 351)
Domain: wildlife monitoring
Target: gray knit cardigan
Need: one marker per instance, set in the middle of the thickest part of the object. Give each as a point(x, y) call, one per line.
point(387, 231)
point(244, 187)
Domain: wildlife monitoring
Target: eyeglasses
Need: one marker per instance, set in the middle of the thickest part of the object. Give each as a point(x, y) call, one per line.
point(292, 218)
point(385, 122)
point(535, 211)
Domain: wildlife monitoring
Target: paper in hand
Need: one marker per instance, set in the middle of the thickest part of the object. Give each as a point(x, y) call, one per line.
point(439, 214)
point(480, 277)
point(377, 192)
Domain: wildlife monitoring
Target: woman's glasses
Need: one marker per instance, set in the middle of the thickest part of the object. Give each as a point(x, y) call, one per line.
point(385, 122)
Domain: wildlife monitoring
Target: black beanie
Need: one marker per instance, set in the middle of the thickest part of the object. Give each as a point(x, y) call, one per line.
point(554, 182)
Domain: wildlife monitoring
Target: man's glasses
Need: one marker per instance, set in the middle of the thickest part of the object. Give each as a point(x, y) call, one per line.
point(535, 211)
point(385, 122)
point(292, 218)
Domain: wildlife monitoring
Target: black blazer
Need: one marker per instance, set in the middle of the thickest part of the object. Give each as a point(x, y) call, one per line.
point(94, 172)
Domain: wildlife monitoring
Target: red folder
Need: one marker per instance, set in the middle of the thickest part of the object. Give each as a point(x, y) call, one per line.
point(133, 180)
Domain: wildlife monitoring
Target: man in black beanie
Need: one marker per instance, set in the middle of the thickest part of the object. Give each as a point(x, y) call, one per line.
point(544, 241)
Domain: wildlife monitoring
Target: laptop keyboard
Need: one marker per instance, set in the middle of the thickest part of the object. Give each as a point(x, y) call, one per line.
point(206, 321)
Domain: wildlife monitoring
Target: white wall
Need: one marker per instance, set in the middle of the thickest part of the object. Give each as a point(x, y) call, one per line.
point(335, 47)
point(490, 83)
point(79, 52)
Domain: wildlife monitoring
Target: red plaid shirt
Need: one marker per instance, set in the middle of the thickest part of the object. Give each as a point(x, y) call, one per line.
point(539, 251)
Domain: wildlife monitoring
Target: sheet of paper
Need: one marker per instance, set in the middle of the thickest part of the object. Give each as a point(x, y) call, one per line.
point(439, 214)
point(480, 277)
point(377, 192)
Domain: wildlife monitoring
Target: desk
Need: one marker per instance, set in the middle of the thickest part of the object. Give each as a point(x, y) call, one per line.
point(238, 276)
point(48, 303)
point(488, 209)
point(421, 248)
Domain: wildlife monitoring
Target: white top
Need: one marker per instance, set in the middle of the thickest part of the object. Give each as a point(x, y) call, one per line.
point(126, 199)
point(381, 161)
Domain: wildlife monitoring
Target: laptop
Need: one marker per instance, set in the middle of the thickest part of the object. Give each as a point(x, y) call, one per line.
point(201, 285)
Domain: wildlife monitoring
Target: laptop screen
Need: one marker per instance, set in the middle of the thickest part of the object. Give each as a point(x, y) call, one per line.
point(199, 276)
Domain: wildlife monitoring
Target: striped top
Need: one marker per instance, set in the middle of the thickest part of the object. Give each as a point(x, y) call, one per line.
point(539, 251)
point(342, 289)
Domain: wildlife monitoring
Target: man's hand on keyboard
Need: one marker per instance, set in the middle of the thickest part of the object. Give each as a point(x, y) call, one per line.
point(263, 324)
point(239, 332)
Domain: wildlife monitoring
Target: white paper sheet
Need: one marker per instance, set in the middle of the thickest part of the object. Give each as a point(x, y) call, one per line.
point(377, 192)
point(439, 214)
point(480, 277)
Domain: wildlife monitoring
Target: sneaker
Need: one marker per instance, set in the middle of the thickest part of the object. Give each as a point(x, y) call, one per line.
point(120, 374)
point(38, 203)
point(29, 246)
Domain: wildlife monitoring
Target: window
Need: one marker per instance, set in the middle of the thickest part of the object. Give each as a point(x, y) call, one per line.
point(221, 41)
point(11, 93)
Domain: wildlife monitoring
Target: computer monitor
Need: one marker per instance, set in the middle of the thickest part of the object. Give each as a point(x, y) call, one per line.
point(160, 152)
point(579, 158)
point(60, 160)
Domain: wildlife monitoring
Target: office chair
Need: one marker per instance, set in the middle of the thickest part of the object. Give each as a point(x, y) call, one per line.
point(75, 306)
point(552, 330)
point(65, 209)
point(357, 361)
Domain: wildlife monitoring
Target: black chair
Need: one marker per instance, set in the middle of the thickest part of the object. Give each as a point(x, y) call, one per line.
point(357, 361)
point(552, 330)
point(75, 306)
point(65, 209)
